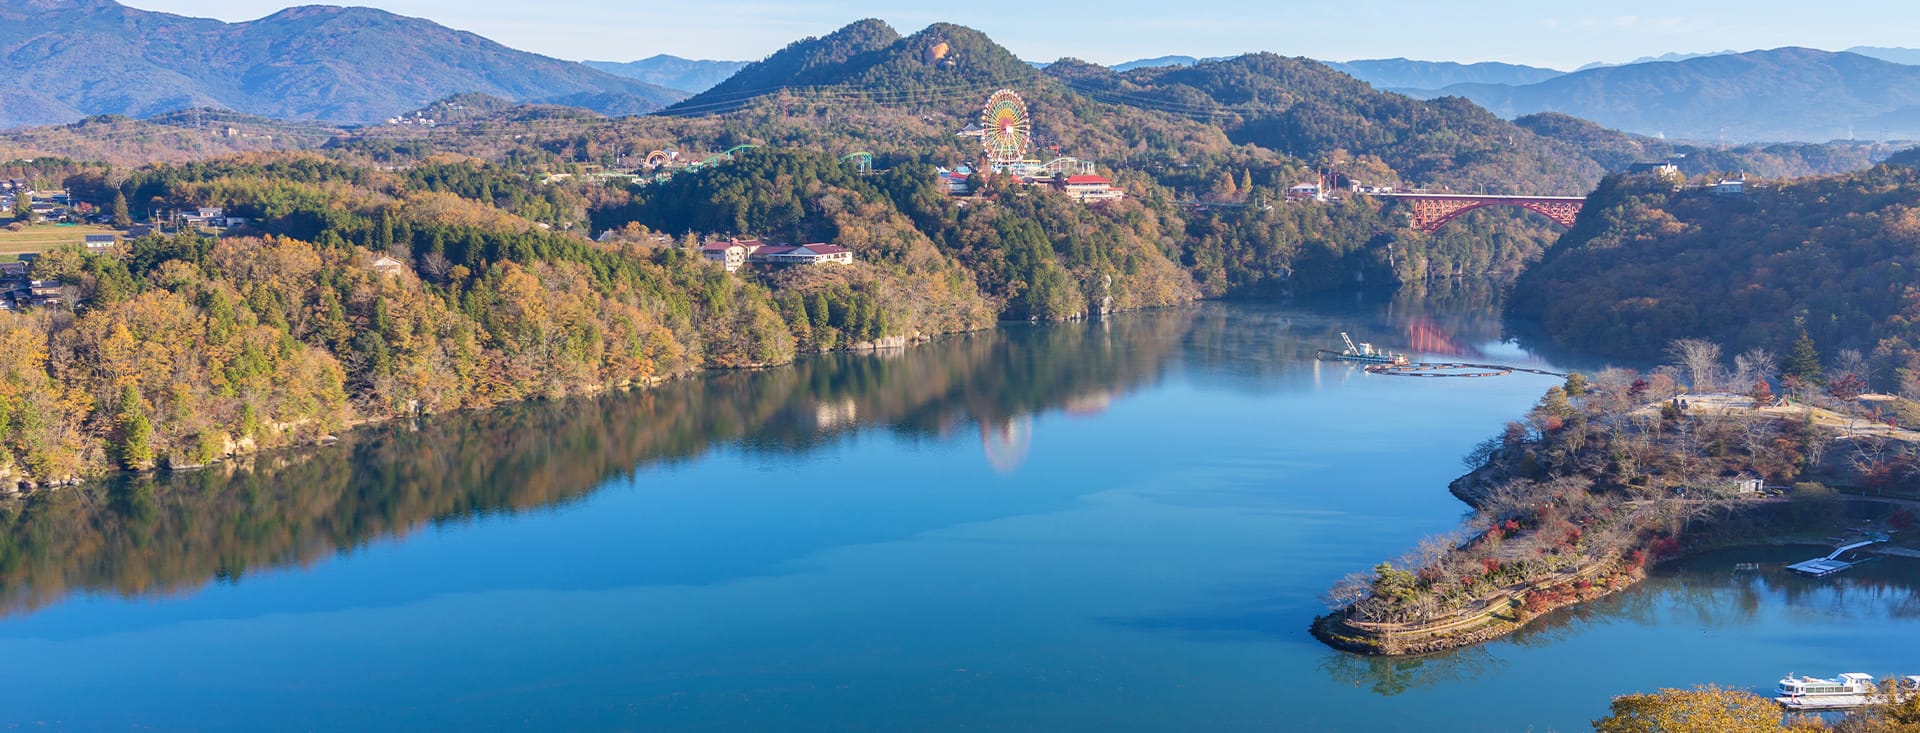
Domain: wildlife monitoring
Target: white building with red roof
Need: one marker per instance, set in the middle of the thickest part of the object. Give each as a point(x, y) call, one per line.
point(1089, 188)
point(805, 254)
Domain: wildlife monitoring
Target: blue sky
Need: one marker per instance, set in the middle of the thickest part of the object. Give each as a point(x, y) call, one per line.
point(1557, 34)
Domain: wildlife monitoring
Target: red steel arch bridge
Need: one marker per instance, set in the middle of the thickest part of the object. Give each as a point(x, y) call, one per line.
point(1430, 211)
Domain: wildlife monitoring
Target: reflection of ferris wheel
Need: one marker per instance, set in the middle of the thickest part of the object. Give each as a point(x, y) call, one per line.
point(1008, 134)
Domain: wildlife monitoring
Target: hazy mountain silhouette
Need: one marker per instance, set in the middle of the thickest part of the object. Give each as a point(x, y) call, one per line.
point(69, 59)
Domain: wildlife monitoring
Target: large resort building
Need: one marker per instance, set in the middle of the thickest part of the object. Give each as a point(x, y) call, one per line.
point(737, 253)
point(1089, 188)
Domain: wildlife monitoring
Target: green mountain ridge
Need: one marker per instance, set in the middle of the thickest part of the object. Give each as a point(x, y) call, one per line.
point(73, 59)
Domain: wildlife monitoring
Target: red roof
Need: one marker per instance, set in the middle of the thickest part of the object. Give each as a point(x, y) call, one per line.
point(1087, 180)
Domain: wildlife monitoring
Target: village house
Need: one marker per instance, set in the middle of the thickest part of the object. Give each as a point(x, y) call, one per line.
point(15, 284)
point(45, 292)
point(387, 266)
point(101, 242)
point(210, 217)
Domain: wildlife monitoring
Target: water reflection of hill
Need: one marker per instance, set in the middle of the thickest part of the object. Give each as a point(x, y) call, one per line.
point(165, 534)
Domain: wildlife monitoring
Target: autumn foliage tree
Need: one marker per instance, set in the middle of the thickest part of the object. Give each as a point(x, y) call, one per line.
point(1707, 709)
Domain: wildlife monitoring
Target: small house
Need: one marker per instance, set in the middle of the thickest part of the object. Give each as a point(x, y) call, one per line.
point(45, 292)
point(387, 266)
point(101, 242)
point(1305, 192)
point(211, 217)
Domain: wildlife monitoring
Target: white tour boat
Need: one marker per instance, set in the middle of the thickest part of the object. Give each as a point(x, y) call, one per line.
point(1850, 690)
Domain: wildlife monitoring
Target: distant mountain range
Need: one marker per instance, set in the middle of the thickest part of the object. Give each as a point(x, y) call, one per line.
point(71, 59)
point(1780, 94)
point(1676, 56)
point(1397, 74)
point(1908, 56)
point(1158, 62)
point(68, 59)
point(692, 76)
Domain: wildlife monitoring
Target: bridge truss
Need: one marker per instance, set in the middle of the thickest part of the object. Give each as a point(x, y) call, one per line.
point(1430, 211)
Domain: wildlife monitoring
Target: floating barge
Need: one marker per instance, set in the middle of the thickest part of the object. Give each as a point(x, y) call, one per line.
point(1364, 353)
point(1821, 567)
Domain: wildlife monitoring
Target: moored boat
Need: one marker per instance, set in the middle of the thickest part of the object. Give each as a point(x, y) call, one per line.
point(1849, 690)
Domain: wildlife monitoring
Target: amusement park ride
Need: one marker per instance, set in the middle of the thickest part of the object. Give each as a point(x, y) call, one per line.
point(1006, 136)
point(1006, 141)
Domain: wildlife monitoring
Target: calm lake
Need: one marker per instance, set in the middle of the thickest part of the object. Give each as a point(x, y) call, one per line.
point(1116, 526)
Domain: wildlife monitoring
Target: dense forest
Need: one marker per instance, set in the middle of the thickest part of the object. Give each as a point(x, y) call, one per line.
point(1652, 261)
point(360, 294)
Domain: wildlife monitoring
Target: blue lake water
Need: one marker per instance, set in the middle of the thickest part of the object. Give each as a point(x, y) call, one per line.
point(1118, 526)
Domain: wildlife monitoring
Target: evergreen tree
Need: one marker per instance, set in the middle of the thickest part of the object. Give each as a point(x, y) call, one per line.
point(22, 205)
point(122, 218)
point(1803, 360)
point(135, 451)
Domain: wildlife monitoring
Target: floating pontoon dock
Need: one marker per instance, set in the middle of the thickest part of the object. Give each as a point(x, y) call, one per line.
point(1821, 567)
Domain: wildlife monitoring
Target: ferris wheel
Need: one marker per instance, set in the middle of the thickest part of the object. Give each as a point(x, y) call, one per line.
point(1007, 133)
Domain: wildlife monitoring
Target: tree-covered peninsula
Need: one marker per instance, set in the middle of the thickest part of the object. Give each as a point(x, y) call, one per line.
point(1653, 260)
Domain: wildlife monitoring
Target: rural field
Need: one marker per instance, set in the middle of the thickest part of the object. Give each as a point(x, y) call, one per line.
point(44, 237)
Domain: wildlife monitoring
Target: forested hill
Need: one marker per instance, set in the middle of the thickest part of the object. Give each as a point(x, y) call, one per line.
point(1310, 111)
point(1650, 262)
point(361, 292)
point(69, 59)
point(806, 62)
point(1297, 107)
